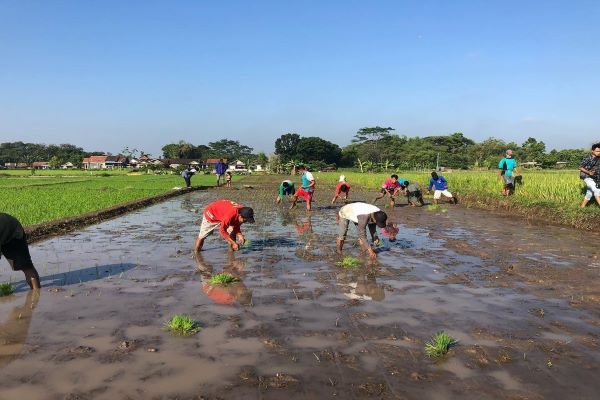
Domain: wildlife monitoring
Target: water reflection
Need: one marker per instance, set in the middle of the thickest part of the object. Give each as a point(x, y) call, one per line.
point(13, 331)
point(362, 286)
point(224, 294)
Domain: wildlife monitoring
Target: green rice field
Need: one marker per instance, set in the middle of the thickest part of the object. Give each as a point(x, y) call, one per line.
point(48, 196)
point(557, 193)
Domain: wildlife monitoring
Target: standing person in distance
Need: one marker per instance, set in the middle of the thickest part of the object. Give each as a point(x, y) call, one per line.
point(220, 169)
point(307, 189)
point(507, 170)
point(365, 216)
point(13, 245)
point(589, 172)
point(342, 187)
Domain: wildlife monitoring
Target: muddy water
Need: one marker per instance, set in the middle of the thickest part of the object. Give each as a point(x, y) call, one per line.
point(523, 301)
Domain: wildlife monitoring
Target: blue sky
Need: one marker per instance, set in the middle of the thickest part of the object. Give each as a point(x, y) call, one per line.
point(104, 75)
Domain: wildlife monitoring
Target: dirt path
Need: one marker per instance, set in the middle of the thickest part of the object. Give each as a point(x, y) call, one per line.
point(522, 300)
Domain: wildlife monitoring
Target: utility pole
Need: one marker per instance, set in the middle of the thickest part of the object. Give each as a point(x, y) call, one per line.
point(437, 164)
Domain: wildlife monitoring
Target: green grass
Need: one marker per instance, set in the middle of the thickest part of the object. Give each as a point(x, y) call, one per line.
point(6, 289)
point(182, 325)
point(349, 262)
point(37, 199)
point(556, 192)
point(439, 344)
point(223, 279)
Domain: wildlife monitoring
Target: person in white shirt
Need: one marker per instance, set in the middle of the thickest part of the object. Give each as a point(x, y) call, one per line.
point(364, 216)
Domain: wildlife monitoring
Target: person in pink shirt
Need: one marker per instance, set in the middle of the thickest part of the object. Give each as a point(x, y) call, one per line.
point(390, 186)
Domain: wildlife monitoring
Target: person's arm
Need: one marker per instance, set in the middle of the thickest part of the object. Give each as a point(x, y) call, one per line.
point(311, 184)
point(430, 185)
point(586, 171)
point(225, 225)
point(363, 221)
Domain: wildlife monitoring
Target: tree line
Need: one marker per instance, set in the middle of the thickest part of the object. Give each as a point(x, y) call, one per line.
point(56, 155)
point(378, 148)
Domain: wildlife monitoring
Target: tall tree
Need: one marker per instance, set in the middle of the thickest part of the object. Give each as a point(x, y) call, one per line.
point(287, 146)
point(311, 149)
point(230, 149)
point(372, 133)
point(532, 150)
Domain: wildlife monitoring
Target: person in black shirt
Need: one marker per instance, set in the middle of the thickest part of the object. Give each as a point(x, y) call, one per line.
point(13, 245)
point(589, 172)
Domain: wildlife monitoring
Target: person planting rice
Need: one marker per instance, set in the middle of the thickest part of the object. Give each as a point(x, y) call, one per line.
point(13, 245)
point(286, 188)
point(187, 174)
point(341, 187)
point(589, 172)
point(364, 216)
point(390, 186)
point(413, 193)
point(228, 216)
point(307, 190)
point(507, 170)
point(441, 188)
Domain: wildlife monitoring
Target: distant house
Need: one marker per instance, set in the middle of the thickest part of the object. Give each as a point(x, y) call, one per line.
point(178, 162)
point(531, 164)
point(212, 162)
point(40, 165)
point(561, 164)
point(259, 167)
point(104, 162)
point(238, 166)
point(67, 165)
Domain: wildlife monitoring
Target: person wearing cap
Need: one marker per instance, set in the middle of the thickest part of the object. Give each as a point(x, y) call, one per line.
point(307, 190)
point(507, 170)
point(440, 184)
point(342, 187)
point(13, 245)
point(390, 186)
point(364, 216)
point(228, 216)
point(286, 188)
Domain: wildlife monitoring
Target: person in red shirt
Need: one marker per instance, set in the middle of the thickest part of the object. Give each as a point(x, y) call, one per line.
point(228, 216)
point(391, 187)
point(341, 187)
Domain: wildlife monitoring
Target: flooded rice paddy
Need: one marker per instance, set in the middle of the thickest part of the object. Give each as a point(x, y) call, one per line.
point(523, 301)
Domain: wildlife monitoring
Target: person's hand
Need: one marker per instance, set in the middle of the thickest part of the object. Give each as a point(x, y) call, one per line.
point(376, 242)
point(235, 246)
point(372, 253)
point(278, 200)
point(241, 239)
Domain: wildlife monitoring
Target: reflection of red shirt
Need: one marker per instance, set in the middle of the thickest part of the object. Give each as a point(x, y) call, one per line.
point(338, 188)
point(226, 212)
point(217, 294)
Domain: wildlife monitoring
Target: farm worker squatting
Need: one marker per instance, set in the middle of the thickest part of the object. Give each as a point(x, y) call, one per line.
point(286, 188)
point(13, 244)
point(390, 186)
point(228, 216)
point(307, 190)
point(364, 216)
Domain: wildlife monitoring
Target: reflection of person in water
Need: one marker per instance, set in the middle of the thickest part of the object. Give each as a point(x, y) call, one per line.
point(362, 287)
point(13, 244)
point(13, 331)
point(224, 294)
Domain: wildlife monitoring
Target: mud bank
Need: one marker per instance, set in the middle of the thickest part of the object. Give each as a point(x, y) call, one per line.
point(522, 299)
point(43, 231)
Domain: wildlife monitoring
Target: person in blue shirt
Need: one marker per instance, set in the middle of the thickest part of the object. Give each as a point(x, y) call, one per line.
point(220, 169)
point(507, 169)
point(441, 188)
point(307, 189)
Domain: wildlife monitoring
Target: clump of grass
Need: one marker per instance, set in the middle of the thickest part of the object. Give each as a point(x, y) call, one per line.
point(439, 344)
point(182, 325)
point(247, 243)
point(349, 262)
point(223, 279)
point(433, 207)
point(6, 289)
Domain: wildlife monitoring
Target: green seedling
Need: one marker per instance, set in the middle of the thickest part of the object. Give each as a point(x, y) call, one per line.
point(433, 207)
point(182, 325)
point(223, 279)
point(439, 344)
point(247, 243)
point(6, 289)
point(349, 262)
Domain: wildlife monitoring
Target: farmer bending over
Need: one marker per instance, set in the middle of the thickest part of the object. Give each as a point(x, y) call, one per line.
point(390, 186)
point(341, 187)
point(228, 216)
point(13, 244)
point(413, 193)
point(286, 188)
point(308, 188)
point(441, 188)
point(363, 215)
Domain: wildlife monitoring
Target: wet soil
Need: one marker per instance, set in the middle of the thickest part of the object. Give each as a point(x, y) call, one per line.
point(522, 299)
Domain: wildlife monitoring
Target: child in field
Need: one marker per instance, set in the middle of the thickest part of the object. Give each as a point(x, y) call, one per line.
point(286, 188)
point(228, 179)
point(441, 188)
point(390, 186)
point(341, 187)
point(13, 245)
